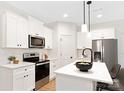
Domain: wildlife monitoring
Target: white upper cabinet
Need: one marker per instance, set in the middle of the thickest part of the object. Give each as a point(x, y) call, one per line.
point(9, 24)
point(83, 40)
point(35, 26)
point(22, 32)
point(106, 33)
point(13, 30)
point(47, 33)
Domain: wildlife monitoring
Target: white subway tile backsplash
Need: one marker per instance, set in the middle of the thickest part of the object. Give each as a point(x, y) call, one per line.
point(5, 53)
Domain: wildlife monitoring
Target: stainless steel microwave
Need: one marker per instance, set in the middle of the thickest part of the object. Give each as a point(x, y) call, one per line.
point(36, 41)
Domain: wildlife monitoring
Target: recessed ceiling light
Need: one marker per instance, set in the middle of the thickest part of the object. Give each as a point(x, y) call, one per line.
point(65, 15)
point(99, 15)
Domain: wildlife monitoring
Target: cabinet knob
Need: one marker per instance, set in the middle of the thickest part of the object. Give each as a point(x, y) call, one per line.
point(24, 76)
point(17, 44)
point(27, 75)
point(25, 69)
point(20, 45)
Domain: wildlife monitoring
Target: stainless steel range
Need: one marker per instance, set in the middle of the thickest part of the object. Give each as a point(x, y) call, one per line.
point(41, 68)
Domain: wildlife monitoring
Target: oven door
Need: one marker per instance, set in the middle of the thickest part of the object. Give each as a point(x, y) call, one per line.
point(42, 71)
point(36, 42)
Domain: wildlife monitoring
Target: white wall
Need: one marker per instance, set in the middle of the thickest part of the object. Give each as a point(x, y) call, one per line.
point(54, 27)
point(61, 28)
point(119, 30)
point(67, 29)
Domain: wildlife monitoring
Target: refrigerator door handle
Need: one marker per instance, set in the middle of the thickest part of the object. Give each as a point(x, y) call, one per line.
point(103, 53)
point(102, 50)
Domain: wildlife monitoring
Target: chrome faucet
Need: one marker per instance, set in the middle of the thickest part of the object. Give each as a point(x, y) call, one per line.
point(83, 53)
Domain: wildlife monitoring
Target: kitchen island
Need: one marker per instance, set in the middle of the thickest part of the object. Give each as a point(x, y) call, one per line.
point(70, 78)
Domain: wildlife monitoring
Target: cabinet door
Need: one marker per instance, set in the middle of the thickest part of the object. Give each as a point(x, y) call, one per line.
point(83, 40)
point(19, 82)
point(24, 79)
point(53, 67)
point(35, 26)
point(11, 29)
point(106, 33)
point(30, 80)
point(16, 31)
point(24, 42)
point(22, 35)
point(48, 38)
point(51, 70)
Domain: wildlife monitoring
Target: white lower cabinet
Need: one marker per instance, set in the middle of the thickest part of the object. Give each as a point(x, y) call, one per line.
point(24, 81)
point(19, 79)
point(53, 67)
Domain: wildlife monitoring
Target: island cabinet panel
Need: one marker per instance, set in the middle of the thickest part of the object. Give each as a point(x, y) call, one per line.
point(74, 84)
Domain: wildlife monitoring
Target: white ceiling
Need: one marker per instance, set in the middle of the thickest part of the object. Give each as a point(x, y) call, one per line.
point(51, 11)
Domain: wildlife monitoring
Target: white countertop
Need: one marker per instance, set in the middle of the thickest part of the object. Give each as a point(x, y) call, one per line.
point(53, 58)
point(98, 72)
point(14, 66)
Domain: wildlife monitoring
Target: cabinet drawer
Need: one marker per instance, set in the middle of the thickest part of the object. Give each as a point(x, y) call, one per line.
point(24, 69)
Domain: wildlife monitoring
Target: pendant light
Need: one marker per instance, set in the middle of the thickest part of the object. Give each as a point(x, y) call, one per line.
point(84, 26)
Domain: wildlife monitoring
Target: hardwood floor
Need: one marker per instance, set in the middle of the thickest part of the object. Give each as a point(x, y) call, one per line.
point(51, 86)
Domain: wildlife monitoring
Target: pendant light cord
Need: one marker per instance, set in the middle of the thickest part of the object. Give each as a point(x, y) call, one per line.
point(84, 11)
point(89, 2)
point(89, 16)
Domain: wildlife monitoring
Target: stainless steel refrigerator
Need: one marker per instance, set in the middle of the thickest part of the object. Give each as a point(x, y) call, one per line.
point(105, 50)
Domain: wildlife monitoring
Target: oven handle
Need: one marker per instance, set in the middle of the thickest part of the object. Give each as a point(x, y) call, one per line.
point(42, 63)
